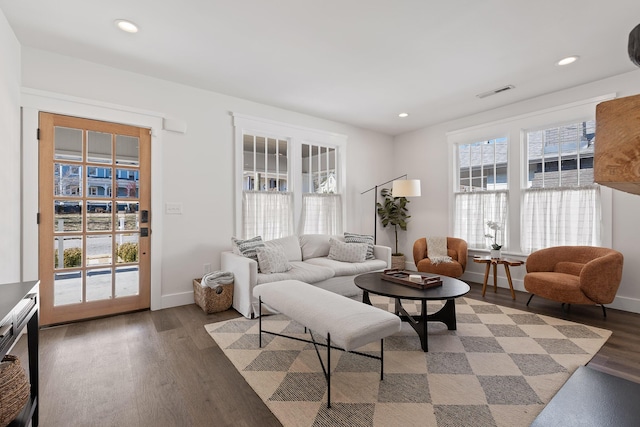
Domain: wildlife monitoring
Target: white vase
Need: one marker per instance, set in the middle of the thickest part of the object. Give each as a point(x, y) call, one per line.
point(495, 253)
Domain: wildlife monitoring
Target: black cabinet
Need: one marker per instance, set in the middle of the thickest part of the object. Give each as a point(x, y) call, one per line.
point(19, 309)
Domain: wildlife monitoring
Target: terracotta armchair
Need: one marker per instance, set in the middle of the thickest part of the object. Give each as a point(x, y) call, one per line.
point(574, 274)
point(456, 249)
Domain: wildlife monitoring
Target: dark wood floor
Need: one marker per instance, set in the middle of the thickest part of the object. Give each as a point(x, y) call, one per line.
point(162, 369)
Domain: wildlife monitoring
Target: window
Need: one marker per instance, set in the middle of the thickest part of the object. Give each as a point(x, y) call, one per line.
point(321, 205)
point(289, 178)
point(561, 203)
point(550, 153)
point(482, 191)
point(267, 205)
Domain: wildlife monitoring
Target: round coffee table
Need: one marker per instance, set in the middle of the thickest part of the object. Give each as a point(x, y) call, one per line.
point(450, 290)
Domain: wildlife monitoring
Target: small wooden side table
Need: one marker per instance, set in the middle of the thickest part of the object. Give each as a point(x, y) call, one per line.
point(495, 261)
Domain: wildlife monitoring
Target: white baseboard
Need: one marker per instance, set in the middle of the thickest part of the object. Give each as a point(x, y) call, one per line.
point(175, 300)
point(626, 304)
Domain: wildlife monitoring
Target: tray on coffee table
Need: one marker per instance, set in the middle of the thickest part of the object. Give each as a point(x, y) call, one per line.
point(402, 277)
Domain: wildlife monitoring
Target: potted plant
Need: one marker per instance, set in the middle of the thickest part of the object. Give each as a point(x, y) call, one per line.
point(495, 247)
point(394, 212)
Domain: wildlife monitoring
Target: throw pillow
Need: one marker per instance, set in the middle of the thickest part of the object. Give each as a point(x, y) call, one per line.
point(361, 238)
point(272, 260)
point(247, 248)
point(347, 252)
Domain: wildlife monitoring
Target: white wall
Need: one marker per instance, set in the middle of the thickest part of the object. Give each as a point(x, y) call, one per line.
point(197, 167)
point(424, 154)
point(10, 171)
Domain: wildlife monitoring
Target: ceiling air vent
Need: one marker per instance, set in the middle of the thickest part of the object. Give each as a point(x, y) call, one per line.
point(495, 91)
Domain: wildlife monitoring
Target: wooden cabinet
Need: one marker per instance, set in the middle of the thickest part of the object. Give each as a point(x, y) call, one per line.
point(19, 309)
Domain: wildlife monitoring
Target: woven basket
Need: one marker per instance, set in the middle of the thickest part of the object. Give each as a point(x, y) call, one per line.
point(210, 301)
point(14, 389)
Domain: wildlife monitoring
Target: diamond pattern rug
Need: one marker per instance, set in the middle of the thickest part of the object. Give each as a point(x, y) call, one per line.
point(499, 368)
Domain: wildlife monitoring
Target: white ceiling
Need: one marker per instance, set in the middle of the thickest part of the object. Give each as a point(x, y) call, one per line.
point(354, 61)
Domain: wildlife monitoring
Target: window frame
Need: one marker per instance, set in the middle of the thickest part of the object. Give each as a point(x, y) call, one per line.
point(295, 136)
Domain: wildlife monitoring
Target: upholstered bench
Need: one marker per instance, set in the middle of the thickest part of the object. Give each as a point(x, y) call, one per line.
point(345, 323)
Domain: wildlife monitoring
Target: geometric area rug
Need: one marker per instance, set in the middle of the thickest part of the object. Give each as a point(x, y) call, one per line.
point(499, 368)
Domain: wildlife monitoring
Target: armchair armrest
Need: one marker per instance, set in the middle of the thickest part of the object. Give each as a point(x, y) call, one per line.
point(459, 246)
point(600, 278)
point(245, 272)
point(419, 250)
point(383, 253)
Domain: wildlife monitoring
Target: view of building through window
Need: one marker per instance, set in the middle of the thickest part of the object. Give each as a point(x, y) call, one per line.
point(482, 165)
point(561, 156)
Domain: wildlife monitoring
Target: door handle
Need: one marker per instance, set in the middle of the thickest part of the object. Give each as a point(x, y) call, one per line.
point(144, 232)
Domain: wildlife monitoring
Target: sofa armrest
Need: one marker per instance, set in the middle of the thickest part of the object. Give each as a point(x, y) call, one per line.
point(383, 253)
point(245, 275)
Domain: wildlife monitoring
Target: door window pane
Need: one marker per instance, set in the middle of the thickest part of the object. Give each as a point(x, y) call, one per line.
point(128, 182)
point(67, 179)
point(71, 247)
point(98, 250)
point(98, 182)
point(67, 288)
point(99, 216)
point(127, 152)
point(99, 284)
point(128, 219)
point(67, 144)
point(67, 215)
point(98, 147)
point(127, 281)
point(127, 247)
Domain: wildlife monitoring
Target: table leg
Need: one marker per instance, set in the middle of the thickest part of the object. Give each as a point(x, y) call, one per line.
point(365, 297)
point(506, 270)
point(486, 278)
point(495, 277)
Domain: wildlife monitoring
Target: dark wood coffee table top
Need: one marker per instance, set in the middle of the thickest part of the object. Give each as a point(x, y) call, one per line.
point(451, 288)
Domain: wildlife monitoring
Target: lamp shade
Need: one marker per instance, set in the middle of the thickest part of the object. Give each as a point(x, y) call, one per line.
point(406, 188)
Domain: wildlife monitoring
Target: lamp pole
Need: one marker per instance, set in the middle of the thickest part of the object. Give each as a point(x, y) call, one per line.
point(375, 210)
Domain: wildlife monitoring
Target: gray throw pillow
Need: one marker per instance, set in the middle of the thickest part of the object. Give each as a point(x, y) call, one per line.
point(347, 252)
point(272, 260)
point(247, 248)
point(361, 238)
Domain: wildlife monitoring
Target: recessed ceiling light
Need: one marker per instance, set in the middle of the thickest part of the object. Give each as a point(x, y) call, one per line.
point(126, 26)
point(568, 60)
point(403, 115)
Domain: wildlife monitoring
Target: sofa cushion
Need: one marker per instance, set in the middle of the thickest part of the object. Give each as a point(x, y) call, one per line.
point(302, 271)
point(361, 238)
point(556, 286)
point(272, 260)
point(289, 245)
point(348, 268)
point(316, 245)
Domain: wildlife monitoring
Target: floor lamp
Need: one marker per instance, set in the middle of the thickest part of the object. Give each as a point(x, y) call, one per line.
point(400, 188)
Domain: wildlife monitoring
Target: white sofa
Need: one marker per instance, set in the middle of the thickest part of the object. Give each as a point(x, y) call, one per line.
point(307, 255)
